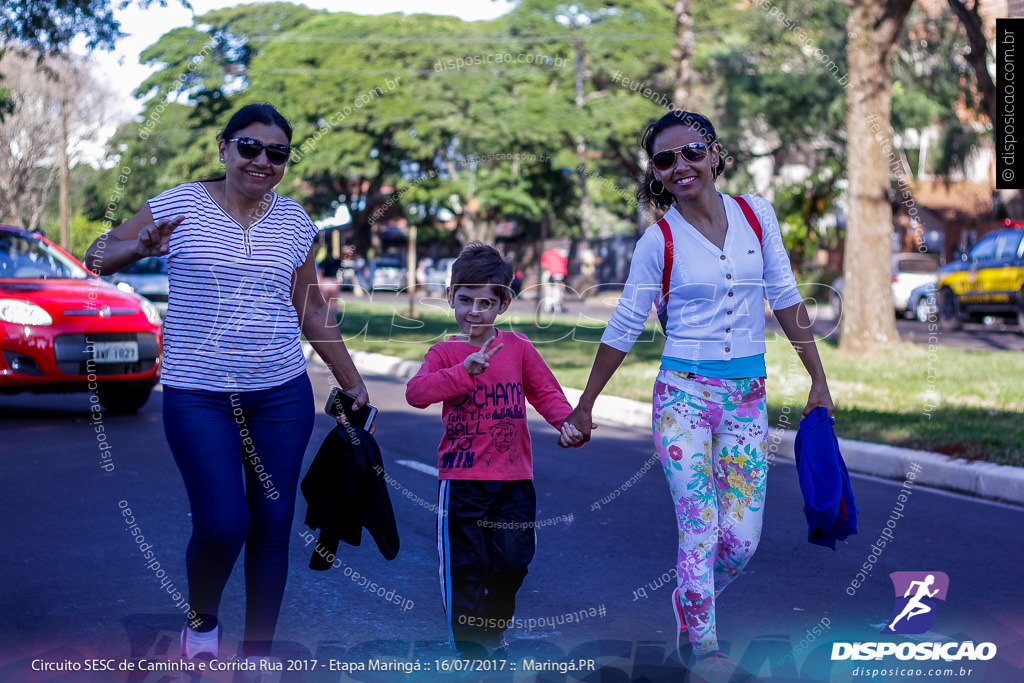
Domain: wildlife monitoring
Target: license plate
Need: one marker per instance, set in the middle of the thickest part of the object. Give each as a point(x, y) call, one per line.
point(116, 352)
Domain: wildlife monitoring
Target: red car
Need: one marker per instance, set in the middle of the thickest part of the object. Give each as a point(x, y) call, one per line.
point(62, 329)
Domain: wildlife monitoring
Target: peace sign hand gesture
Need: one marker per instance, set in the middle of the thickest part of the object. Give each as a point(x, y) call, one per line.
point(478, 362)
point(155, 238)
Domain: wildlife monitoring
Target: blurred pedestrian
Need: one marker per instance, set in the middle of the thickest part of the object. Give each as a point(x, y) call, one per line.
point(588, 269)
point(238, 405)
point(710, 418)
point(363, 282)
point(423, 269)
point(556, 267)
point(327, 271)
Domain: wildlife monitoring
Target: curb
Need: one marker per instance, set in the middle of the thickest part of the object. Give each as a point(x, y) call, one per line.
point(1002, 483)
point(379, 364)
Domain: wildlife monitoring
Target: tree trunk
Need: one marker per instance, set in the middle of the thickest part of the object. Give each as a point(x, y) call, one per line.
point(581, 143)
point(868, 318)
point(65, 199)
point(682, 55)
point(475, 225)
point(368, 196)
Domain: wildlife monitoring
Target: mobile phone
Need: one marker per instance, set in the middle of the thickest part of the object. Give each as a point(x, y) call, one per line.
point(341, 402)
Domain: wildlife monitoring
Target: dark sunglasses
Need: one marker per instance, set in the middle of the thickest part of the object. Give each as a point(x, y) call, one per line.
point(666, 159)
point(250, 149)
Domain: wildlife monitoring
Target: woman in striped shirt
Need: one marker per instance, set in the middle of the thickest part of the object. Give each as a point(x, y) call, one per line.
point(238, 405)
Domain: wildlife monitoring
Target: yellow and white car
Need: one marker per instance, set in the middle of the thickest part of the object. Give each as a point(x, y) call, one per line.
point(987, 281)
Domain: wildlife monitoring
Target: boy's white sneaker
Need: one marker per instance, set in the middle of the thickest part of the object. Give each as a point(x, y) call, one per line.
point(195, 643)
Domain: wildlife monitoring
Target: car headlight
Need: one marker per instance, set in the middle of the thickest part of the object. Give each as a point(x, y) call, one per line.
point(152, 314)
point(23, 313)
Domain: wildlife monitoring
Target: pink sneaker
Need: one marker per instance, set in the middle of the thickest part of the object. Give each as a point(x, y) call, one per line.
point(677, 609)
point(682, 637)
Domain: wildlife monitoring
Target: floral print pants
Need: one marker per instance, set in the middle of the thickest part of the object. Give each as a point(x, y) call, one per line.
point(711, 436)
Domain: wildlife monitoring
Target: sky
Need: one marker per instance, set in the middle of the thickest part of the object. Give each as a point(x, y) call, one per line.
point(144, 27)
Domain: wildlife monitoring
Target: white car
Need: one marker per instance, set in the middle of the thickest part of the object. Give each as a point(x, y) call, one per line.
point(439, 278)
point(389, 273)
point(910, 270)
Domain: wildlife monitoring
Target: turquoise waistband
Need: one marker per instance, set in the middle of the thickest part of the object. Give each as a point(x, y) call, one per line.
point(737, 368)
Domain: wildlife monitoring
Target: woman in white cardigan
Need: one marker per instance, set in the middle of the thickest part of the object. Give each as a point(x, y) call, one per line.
point(710, 415)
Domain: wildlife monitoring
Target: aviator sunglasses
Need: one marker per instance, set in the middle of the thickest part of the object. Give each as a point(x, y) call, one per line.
point(664, 160)
point(250, 149)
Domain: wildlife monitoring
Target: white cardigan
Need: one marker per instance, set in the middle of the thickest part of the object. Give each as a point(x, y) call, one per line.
point(716, 297)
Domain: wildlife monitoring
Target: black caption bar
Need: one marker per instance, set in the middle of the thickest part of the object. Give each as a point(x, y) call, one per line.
point(1009, 77)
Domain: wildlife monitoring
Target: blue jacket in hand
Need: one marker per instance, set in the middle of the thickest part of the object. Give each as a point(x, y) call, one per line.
point(824, 482)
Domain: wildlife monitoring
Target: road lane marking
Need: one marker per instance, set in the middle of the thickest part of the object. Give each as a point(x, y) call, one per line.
point(418, 466)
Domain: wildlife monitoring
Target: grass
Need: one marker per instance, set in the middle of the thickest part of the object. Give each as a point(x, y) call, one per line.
point(942, 399)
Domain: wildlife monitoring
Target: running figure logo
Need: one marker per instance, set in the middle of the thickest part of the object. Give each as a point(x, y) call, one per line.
point(916, 595)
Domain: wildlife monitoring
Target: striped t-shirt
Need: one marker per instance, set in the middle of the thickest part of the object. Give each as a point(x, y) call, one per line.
point(231, 324)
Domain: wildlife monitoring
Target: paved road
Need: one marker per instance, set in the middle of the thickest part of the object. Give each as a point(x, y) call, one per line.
point(76, 585)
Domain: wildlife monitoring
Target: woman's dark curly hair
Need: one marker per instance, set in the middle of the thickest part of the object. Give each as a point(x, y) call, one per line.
point(677, 117)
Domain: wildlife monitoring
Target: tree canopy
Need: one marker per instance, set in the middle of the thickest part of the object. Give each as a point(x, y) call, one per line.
point(472, 123)
point(50, 25)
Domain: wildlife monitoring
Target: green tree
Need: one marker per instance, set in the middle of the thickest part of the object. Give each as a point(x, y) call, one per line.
point(932, 79)
point(177, 142)
point(83, 232)
point(6, 97)
point(50, 25)
point(414, 114)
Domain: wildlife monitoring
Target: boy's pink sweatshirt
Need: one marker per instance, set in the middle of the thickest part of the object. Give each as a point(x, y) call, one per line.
point(485, 415)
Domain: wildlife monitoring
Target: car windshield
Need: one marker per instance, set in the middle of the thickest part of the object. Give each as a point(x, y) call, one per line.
point(1007, 244)
point(917, 265)
point(985, 249)
point(30, 258)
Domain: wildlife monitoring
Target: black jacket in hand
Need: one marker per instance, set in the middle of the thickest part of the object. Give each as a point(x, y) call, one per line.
point(345, 490)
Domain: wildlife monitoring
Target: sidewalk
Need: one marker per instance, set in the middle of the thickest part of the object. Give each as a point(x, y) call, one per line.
point(985, 480)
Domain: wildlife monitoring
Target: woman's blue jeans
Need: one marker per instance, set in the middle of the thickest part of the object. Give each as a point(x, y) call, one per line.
point(240, 454)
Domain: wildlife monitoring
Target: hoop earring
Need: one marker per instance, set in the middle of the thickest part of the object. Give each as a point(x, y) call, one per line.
point(650, 187)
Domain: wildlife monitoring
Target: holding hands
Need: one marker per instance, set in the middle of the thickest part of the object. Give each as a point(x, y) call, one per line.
point(580, 422)
point(477, 362)
point(570, 437)
point(576, 429)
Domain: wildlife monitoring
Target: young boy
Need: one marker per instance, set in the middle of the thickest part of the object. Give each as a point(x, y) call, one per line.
point(487, 505)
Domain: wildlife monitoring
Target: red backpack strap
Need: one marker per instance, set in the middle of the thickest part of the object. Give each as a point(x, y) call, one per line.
point(670, 248)
point(751, 217)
